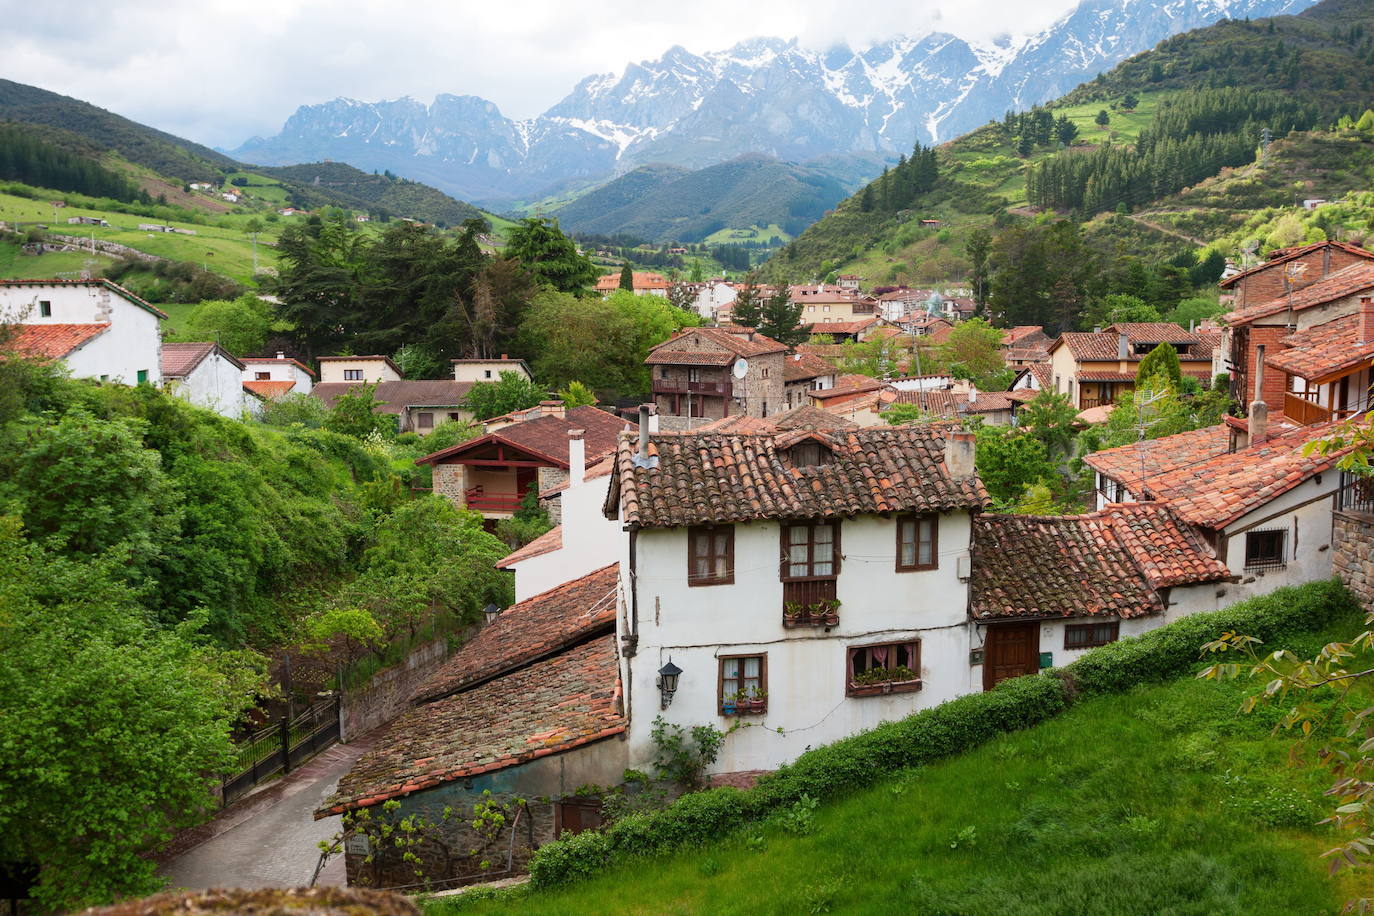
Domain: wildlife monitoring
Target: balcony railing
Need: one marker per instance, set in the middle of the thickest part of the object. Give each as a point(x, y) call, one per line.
point(810, 603)
point(480, 501)
point(677, 386)
point(1356, 493)
point(1303, 409)
point(1087, 403)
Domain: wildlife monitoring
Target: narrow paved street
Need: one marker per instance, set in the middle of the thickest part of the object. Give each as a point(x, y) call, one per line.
point(269, 839)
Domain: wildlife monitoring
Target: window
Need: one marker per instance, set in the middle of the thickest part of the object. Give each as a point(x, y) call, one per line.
point(143, 376)
point(1088, 635)
point(884, 668)
point(916, 542)
point(424, 420)
point(693, 375)
point(825, 308)
point(575, 815)
point(711, 555)
point(262, 376)
point(811, 551)
point(486, 373)
point(808, 454)
point(44, 308)
point(1266, 549)
point(765, 373)
point(743, 686)
point(353, 375)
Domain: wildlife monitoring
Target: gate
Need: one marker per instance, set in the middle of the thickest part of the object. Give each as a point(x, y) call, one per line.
point(281, 747)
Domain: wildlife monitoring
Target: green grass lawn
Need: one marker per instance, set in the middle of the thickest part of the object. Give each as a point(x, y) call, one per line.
point(1124, 125)
point(1163, 800)
point(773, 232)
point(15, 265)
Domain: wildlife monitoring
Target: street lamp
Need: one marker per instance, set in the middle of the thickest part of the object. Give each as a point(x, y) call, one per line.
point(491, 612)
point(667, 683)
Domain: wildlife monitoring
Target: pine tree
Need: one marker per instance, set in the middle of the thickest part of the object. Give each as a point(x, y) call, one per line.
point(627, 277)
point(1102, 119)
point(747, 311)
point(781, 319)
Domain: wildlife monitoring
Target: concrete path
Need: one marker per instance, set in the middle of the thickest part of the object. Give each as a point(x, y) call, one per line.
point(269, 838)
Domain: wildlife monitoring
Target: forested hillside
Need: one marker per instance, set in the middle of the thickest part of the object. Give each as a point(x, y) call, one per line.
point(315, 184)
point(667, 204)
point(1158, 123)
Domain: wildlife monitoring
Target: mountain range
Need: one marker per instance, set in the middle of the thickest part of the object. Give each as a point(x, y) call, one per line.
point(766, 95)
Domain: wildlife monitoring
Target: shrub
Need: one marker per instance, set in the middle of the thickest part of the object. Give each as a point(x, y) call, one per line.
point(952, 727)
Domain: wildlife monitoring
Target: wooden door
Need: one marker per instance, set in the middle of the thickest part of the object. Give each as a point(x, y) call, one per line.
point(1010, 650)
point(524, 479)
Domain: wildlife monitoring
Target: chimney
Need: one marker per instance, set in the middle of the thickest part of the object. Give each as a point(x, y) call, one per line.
point(1259, 411)
point(972, 393)
point(1366, 319)
point(642, 458)
point(504, 356)
point(281, 354)
point(1123, 346)
point(577, 458)
point(959, 454)
point(552, 409)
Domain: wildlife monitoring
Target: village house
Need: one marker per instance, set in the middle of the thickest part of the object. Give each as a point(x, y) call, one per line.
point(205, 374)
point(97, 328)
point(271, 377)
point(1292, 291)
point(489, 370)
point(709, 373)
point(418, 405)
point(803, 373)
point(838, 307)
point(1095, 368)
point(1329, 367)
point(645, 284)
point(493, 473)
point(858, 330)
point(711, 297)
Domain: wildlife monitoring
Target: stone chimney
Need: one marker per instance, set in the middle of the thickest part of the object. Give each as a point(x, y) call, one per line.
point(552, 409)
point(577, 457)
point(642, 458)
point(1366, 319)
point(1123, 346)
point(1259, 411)
point(959, 454)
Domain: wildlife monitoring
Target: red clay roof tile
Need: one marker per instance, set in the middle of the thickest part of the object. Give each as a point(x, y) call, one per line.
point(53, 341)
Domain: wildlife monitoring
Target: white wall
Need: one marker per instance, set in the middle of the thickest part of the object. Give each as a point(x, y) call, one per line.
point(590, 541)
point(215, 384)
point(132, 343)
point(279, 370)
point(373, 370)
point(806, 667)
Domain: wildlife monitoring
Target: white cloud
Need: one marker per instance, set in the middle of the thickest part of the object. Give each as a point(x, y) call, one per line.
point(219, 71)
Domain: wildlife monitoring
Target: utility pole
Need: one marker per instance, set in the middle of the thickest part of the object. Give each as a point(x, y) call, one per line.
point(1266, 138)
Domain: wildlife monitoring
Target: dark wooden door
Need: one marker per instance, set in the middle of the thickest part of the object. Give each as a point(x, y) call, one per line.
point(1010, 650)
point(524, 479)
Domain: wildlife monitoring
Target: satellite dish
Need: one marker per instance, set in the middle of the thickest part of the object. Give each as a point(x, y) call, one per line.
point(741, 368)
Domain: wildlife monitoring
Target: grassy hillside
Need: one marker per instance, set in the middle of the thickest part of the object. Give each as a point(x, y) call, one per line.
point(315, 184)
point(1319, 63)
point(666, 204)
point(1162, 800)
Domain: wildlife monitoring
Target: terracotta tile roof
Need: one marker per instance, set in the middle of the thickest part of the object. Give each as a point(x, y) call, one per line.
point(1341, 283)
point(842, 327)
point(107, 284)
point(799, 366)
point(180, 359)
point(53, 341)
point(602, 468)
point(1287, 254)
point(986, 402)
point(268, 389)
point(689, 358)
point(824, 351)
point(564, 702)
point(847, 386)
point(735, 423)
point(1094, 415)
point(394, 397)
point(809, 417)
point(607, 283)
point(1026, 354)
point(1324, 350)
point(735, 478)
point(746, 345)
point(1131, 464)
point(547, 542)
point(1151, 332)
point(1215, 492)
point(939, 402)
point(529, 631)
point(1093, 375)
point(546, 436)
point(1109, 563)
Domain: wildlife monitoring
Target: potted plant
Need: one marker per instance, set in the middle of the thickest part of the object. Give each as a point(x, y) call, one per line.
point(793, 613)
point(831, 611)
point(728, 706)
point(758, 702)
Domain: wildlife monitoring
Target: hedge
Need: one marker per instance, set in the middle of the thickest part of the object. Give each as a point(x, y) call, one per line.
point(951, 728)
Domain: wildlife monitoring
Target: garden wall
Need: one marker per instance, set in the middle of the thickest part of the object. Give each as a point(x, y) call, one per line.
point(1353, 558)
point(387, 693)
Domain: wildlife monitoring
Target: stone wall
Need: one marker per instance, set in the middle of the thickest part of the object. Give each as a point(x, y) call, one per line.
point(387, 694)
point(1353, 560)
point(451, 480)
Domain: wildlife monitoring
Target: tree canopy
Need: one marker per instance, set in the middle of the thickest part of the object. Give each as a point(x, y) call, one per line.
point(550, 256)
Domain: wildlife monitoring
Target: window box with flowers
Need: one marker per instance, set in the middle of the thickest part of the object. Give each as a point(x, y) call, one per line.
point(742, 690)
point(883, 669)
point(822, 613)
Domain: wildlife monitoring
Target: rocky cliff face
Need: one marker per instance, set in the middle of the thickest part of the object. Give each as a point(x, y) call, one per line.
point(765, 96)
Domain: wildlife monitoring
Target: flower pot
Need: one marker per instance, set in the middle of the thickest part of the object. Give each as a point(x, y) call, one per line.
point(727, 709)
point(758, 705)
point(832, 618)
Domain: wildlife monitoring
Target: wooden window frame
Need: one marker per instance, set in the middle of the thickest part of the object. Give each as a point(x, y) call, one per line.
point(353, 375)
point(1279, 561)
point(584, 802)
point(262, 376)
point(918, 566)
point(720, 682)
point(783, 530)
point(1092, 629)
point(695, 581)
point(882, 688)
point(44, 308)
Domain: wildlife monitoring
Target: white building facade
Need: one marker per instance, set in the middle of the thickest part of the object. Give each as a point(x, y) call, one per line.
point(114, 335)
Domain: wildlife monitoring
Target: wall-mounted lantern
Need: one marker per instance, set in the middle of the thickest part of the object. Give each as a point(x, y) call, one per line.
point(667, 682)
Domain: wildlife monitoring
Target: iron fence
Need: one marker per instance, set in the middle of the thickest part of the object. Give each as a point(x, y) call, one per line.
point(281, 747)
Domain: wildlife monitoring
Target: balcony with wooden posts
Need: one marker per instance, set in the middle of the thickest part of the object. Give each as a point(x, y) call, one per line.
point(1302, 408)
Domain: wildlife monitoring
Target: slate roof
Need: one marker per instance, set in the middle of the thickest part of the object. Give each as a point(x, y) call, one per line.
point(808, 417)
point(734, 478)
point(737, 344)
point(1108, 563)
point(1337, 285)
point(53, 341)
point(1325, 350)
point(394, 397)
point(180, 359)
point(547, 542)
point(1288, 254)
point(528, 631)
point(547, 436)
point(563, 702)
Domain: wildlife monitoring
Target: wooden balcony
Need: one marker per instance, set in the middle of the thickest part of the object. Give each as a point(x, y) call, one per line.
point(812, 598)
point(1086, 403)
point(1303, 408)
point(480, 501)
point(678, 386)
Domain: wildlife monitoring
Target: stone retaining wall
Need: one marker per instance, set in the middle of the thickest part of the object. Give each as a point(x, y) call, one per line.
point(387, 694)
point(1353, 560)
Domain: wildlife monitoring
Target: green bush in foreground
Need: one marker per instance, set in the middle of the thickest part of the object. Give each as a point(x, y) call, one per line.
point(950, 728)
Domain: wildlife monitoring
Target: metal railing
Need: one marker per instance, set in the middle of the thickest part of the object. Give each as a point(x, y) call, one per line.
point(1356, 493)
point(281, 747)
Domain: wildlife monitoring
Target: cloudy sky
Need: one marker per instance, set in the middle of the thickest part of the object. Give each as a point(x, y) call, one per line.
point(220, 71)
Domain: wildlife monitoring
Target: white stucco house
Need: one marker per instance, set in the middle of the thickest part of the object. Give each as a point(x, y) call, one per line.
point(272, 377)
point(205, 374)
point(98, 328)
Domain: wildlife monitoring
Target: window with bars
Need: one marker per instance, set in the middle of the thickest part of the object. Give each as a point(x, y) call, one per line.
point(811, 551)
point(1088, 635)
point(743, 688)
point(883, 668)
point(711, 555)
point(916, 542)
point(1266, 549)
